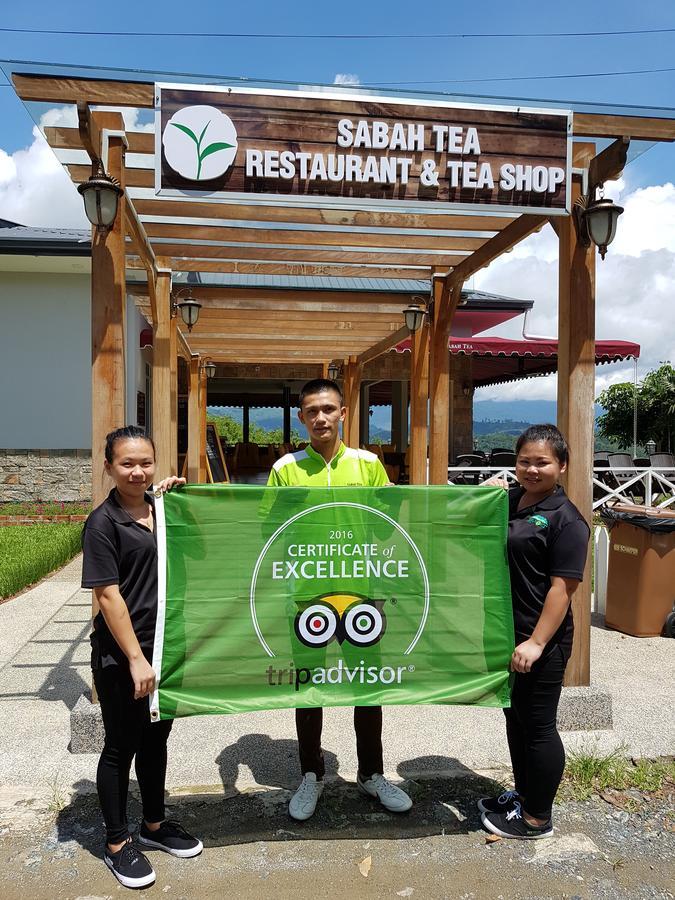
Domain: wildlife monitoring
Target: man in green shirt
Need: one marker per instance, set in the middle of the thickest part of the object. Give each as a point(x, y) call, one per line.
point(326, 462)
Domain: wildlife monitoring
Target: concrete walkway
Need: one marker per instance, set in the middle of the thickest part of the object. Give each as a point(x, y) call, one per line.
point(44, 656)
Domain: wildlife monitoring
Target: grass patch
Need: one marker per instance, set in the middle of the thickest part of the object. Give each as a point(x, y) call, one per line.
point(45, 508)
point(29, 552)
point(589, 772)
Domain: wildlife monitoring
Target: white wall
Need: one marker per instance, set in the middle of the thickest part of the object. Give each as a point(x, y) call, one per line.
point(135, 361)
point(45, 360)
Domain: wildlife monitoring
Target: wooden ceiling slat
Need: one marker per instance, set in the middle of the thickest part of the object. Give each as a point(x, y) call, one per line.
point(43, 88)
point(316, 238)
point(317, 215)
point(355, 255)
point(259, 297)
point(291, 269)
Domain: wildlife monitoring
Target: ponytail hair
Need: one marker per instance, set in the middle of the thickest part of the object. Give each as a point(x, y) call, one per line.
point(121, 434)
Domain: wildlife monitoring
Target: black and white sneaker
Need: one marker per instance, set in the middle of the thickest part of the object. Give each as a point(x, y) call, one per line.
point(129, 866)
point(172, 838)
point(501, 804)
point(511, 824)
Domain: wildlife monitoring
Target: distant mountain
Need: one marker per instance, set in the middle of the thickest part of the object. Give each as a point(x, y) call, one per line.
point(527, 411)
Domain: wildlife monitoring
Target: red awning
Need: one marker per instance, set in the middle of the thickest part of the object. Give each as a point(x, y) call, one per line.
point(497, 360)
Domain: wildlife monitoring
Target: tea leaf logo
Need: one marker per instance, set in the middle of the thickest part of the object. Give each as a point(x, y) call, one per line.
point(185, 146)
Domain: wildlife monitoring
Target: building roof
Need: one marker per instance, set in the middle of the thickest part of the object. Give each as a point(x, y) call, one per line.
point(29, 240)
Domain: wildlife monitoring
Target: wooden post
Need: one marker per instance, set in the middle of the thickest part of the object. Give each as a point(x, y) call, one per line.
point(173, 375)
point(202, 425)
point(286, 400)
point(193, 422)
point(108, 303)
point(399, 415)
point(246, 423)
point(352, 390)
point(364, 414)
point(446, 298)
point(576, 404)
point(419, 397)
point(161, 372)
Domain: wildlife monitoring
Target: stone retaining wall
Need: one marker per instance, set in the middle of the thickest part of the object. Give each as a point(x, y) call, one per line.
point(45, 475)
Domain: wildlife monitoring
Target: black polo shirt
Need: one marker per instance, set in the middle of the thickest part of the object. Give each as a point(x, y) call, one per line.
point(547, 539)
point(118, 550)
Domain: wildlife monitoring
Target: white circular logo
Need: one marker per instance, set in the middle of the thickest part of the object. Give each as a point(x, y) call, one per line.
point(200, 142)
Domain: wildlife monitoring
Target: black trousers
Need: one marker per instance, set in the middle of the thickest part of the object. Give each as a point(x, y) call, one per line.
point(537, 753)
point(368, 728)
point(129, 733)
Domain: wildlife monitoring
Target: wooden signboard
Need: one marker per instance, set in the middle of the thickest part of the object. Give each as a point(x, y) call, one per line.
point(238, 142)
point(216, 466)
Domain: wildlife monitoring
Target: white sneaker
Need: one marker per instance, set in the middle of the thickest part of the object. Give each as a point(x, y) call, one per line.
point(304, 800)
point(390, 796)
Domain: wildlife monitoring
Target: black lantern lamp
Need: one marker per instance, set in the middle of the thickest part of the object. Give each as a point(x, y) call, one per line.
point(210, 368)
point(101, 194)
point(333, 371)
point(414, 317)
point(189, 310)
point(597, 221)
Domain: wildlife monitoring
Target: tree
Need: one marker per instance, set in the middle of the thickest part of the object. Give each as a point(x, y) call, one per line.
point(655, 410)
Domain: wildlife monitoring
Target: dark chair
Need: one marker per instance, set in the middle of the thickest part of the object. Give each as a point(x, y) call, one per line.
point(605, 476)
point(469, 460)
point(663, 461)
point(622, 469)
point(502, 450)
point(505, 458)
point(641, 462)
point(601, 454)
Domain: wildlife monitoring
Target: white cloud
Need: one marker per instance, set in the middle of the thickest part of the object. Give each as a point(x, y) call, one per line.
point(36, 190)
point(346, 78)
point(66, 117)
point(635, 288)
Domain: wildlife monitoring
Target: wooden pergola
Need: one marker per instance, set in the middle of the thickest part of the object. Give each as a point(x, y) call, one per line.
point(317, 235)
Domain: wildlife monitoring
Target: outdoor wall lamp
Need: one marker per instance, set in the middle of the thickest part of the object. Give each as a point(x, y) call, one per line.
point(101, 194)
point(596, 221)
point(189, 310)
point(210, 368)
point(466, 389)
point(414, 317)
point(650, 447)
point(333, 371)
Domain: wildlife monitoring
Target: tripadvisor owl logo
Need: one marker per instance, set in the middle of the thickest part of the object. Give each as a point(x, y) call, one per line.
point(200, 142)
point(356, 619)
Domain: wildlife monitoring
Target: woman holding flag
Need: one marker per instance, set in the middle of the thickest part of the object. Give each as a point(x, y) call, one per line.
point(120, 564)
point(547, 546)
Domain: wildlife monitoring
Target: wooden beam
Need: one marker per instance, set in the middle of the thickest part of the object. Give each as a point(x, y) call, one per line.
point(348, 256)
point(182, 347)
point(108, 304)
point(47, 89)
point(203, 394)
point(576, 396)
point(318, 239)
point(419, 397)
point(447, 295)
point(311, 215)
point(352, 380)
point(609, 163)
point(281, 268)
point(391, 340)
point(280, 298)
point(161, 372)
point(193, 447)
point(637, 128)
point(500, 243)
point(139, 239)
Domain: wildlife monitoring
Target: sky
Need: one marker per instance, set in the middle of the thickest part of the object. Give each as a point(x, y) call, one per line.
point(635, 283)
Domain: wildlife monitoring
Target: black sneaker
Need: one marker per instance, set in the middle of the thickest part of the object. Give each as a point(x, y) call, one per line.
point(172, 838)
point(501, 804)
point(512, 825)
point(129, 866)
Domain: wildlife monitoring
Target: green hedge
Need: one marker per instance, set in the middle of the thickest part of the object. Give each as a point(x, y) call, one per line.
point(29, 552)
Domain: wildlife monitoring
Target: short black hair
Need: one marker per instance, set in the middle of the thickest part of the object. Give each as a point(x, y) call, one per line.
point(122, 434)
point(551, 436)
point(316, 385)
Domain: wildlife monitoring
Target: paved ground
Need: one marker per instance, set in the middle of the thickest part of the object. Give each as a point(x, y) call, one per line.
point(220, 761)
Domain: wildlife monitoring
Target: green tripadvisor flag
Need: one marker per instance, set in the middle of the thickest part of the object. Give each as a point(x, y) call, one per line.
point(284, 597)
